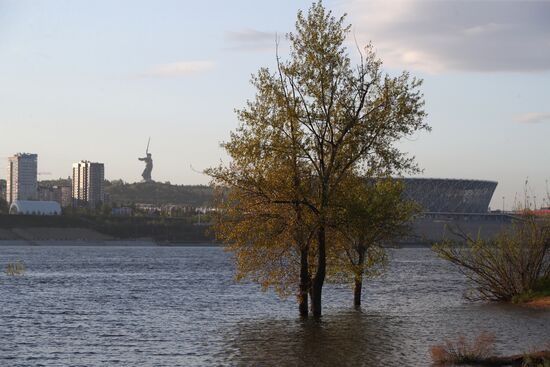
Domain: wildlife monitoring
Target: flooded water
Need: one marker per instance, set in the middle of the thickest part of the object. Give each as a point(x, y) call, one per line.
point(179, 306)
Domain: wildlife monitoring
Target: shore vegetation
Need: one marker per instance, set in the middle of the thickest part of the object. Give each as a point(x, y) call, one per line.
point(15, 268)
point(513, 267)
point(481, 352)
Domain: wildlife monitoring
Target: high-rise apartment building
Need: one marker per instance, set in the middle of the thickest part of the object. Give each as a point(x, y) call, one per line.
point(21, 183)
point(88, 184)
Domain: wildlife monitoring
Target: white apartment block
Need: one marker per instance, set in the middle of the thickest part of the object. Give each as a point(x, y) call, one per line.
point(88, 184)
point(21, 183)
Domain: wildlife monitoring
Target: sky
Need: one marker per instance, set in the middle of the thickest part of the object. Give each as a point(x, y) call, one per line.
point(95, 79)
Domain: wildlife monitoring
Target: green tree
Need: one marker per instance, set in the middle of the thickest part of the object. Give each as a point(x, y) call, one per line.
point(373, 214)
point(4, 208)
point(261, 217)
point(314, 122)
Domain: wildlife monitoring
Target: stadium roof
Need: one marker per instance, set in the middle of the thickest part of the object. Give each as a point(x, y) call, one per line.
point(450, 195)
point(35, 207)
point(446, 179)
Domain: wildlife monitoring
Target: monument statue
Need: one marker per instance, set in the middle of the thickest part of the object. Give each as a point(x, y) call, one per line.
point(148, 164)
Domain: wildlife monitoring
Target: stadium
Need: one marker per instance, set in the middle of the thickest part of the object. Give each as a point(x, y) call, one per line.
point(452, 204)
point(437, 195)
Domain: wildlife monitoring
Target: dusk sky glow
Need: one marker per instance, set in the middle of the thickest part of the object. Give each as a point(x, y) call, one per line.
point(93, 80)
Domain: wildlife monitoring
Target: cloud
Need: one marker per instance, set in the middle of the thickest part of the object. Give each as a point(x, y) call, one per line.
point(251, 40)
point(533, 118)
point(439, 36)
point(179, 69)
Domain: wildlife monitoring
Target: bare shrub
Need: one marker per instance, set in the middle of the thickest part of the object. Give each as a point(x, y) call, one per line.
point(462, 351)
point(514, 263)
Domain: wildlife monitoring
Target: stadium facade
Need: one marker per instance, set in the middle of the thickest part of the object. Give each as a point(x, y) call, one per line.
point(452, 206)
point(439, 195)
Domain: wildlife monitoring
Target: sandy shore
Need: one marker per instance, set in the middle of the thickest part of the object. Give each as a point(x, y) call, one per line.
point(543, 302)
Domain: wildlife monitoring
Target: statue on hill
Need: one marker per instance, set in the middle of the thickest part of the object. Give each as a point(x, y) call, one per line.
point(148, 164)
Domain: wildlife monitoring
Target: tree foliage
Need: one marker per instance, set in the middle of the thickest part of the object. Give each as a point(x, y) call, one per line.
point(4, 208)
point(315, 123)
point(374, 213)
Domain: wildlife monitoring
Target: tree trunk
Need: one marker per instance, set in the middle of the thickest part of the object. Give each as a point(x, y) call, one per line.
point(304, 282)
point(359, 280)
point(311, 297)
point(319, 279)
point(357, 291)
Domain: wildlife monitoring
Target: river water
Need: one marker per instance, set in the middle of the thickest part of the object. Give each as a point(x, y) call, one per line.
point(179, 306)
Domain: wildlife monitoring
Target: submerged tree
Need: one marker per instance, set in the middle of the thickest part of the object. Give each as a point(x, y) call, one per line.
point(314, 122)
point(374, 214)
point(261, 214)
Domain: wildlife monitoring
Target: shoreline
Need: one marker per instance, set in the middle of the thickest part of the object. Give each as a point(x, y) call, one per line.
point(541, 302)
point(105, 243)
point(145, 242)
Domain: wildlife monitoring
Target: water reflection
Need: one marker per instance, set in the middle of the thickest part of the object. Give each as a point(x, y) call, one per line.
point(347, 339)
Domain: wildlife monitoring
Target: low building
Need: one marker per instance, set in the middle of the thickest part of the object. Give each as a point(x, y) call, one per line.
point(148, 209)
point(61, 194)
point(46, 193)
point(26, 207)
point(64, 196)
point(122, 212)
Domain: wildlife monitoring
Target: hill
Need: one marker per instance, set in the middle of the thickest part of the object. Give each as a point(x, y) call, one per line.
point(158, 193)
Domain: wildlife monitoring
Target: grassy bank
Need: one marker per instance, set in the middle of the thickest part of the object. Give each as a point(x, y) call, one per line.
point(541, 290)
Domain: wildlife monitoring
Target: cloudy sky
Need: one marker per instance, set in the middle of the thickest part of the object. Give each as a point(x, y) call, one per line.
point(93, 80)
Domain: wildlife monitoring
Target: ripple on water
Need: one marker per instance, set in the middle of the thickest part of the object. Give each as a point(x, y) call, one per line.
point(178, 306)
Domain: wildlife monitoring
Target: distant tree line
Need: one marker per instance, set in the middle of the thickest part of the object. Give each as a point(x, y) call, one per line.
point(4, 208)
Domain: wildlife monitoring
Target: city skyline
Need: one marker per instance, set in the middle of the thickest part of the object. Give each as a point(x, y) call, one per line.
point(176, 75)
point(87, 184)
point(86, 189)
